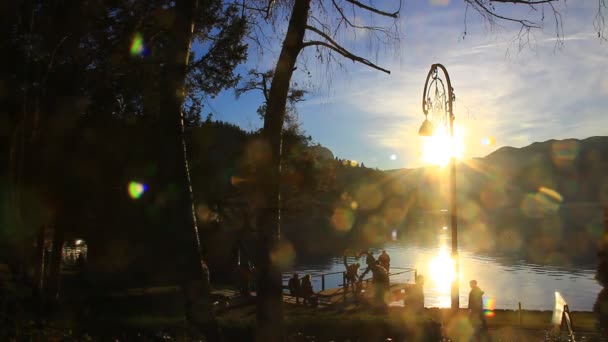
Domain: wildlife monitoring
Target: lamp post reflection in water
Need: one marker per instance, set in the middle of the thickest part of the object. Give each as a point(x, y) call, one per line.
point(442, 272)
point(442, 103)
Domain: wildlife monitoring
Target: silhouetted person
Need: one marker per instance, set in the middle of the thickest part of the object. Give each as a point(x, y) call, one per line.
point(380, 282)
point(79, 266)
point(370, 262)
point(244, 278)
point(385, 261)
point(415, 300)
point(351, 276)
point(80, 263)
point(306, 290)
point(294, 287)
point(476, 314)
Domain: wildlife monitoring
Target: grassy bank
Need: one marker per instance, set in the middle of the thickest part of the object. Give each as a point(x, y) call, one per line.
point(338, 324)
point(161, 311)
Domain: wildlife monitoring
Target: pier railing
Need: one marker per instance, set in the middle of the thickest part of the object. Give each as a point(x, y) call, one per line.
point(342, 283)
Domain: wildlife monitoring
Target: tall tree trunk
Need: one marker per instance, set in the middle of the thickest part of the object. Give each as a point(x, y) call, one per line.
point(269, 304)
point(39, 272)
point(186, 252)
point(173, 182)
point(54, 280)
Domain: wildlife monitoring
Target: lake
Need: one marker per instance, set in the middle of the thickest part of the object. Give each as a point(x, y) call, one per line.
point(505, 280)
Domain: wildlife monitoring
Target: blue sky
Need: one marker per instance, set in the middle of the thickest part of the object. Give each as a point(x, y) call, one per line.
point(543, 92)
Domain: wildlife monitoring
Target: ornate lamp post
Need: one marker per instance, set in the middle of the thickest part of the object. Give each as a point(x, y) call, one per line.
point(442, 102)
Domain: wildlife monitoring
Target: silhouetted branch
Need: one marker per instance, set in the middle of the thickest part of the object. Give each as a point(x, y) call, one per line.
point(487, 10)
point(489, 14)
point(373, 9)
point(257, 81)
point(599, 22)
point(525, 2)
point(346, 54)
point(345, 19)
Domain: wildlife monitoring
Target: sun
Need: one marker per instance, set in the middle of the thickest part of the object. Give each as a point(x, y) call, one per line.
point(438, 148)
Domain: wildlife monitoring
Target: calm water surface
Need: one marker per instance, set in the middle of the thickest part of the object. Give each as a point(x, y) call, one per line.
point(505, 281)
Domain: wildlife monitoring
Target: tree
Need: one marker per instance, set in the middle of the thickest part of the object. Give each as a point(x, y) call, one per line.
point(269, 275)
point(261, 81)
point(69, 81)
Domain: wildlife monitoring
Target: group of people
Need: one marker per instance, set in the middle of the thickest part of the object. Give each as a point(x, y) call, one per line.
point(379, 267)
point(301, 288)
point(380, 274)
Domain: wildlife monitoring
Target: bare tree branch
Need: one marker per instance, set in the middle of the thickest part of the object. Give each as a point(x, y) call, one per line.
point(482, 8)
point(373, 9)
point(599, 22)
point(345, 19)
point(491, 14)
point(269, 8)
point(525, 2)
point(342, 51)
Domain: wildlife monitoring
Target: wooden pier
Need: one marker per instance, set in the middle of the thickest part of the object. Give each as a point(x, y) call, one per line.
point(337, 295)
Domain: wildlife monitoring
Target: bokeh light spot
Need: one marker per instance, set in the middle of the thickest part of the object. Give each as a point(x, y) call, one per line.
point(551, 193)
point(342, 219)
point(136, 189)
point(369, 196)
point(137, 45)
point(236, 180)
point(488, 141)
point(283, 256)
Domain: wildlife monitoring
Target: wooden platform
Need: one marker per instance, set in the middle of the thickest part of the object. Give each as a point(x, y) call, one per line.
point(336, 295)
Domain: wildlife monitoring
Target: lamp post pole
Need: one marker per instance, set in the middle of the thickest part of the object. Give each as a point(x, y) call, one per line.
point(425, 130)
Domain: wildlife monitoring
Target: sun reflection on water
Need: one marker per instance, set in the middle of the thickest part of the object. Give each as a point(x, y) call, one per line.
point(442, 271)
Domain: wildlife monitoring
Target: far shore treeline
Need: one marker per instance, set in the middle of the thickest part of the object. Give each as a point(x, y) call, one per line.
point(540, 202)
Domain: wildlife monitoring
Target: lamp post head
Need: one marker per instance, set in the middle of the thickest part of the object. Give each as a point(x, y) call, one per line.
point(427, 129)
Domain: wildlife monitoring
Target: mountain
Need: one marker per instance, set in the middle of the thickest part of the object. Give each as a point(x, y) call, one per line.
point(543, 201)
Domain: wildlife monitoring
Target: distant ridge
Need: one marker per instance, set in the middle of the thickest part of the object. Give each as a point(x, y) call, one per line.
point(546, 145)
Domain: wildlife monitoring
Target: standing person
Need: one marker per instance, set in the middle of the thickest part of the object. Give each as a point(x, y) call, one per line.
point(294, 287)
point(351, 275)
point(370, 262)
point(306, 289)
point(380, 283)
point(476, 306)
point(416, 299)
point(385, 261)
point(244, 278)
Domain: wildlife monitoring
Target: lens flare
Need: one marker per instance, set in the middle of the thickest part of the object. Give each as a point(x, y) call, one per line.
point(136, 189)
point(490, 305)
point(554, 195)
point(137, 45)
point(488, 141)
